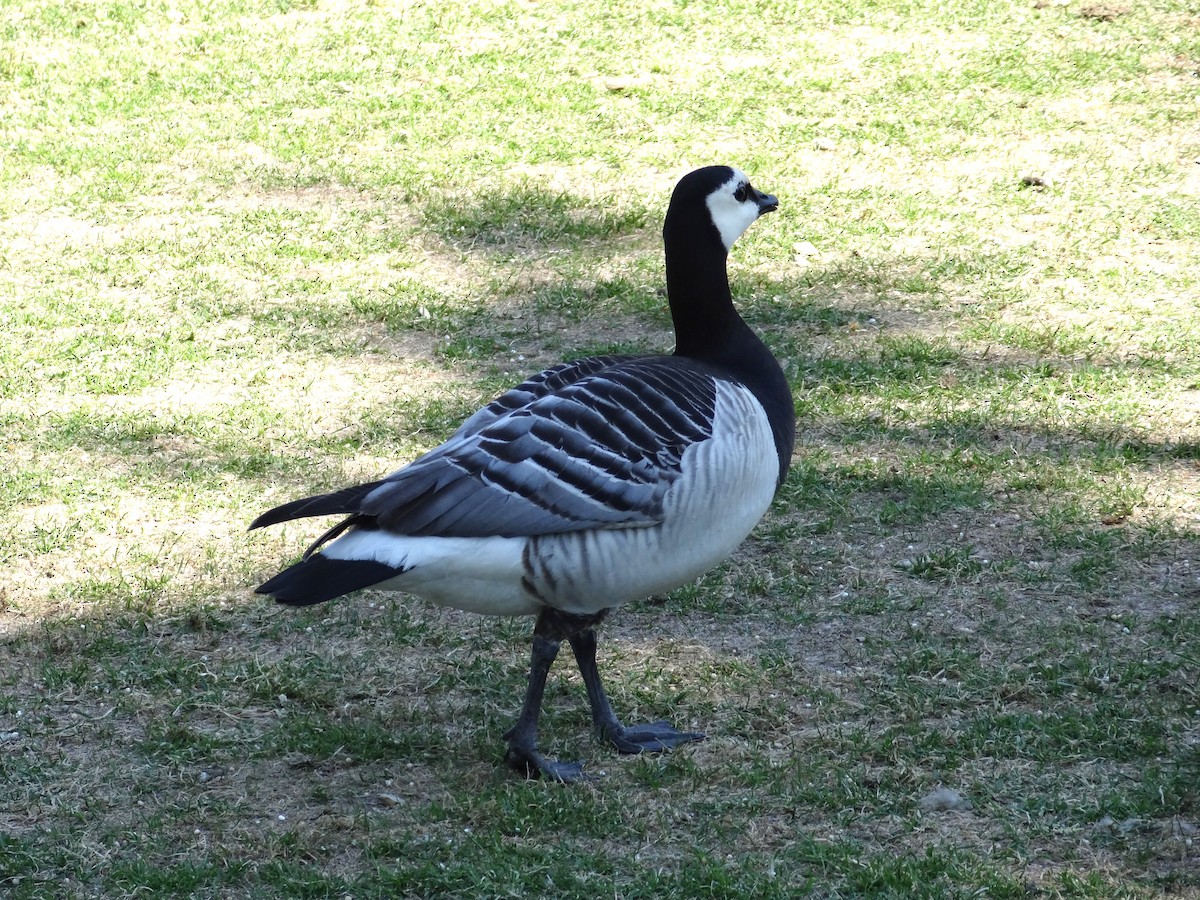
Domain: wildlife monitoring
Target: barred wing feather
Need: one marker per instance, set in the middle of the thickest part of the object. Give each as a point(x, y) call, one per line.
point(596, 445)
point(599, 452)
point(542, 384)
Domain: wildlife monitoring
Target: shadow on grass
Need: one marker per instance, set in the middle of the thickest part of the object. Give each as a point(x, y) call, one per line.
point(527, 217)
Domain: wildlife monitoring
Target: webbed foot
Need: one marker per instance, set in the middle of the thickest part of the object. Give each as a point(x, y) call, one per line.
point(532, 764)
point(654, 737)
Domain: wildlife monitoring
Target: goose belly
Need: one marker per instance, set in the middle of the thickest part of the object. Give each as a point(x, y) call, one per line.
point(726, 485)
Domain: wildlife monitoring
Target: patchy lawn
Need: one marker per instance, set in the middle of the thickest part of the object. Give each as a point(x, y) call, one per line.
point(251, 250)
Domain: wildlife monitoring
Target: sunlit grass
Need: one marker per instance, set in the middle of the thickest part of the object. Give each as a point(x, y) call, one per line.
point(251, 250)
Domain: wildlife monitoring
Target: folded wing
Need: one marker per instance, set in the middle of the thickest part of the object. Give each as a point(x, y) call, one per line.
point(590, 448)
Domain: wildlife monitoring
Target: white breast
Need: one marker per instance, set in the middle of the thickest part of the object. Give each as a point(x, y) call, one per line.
point(726, 485)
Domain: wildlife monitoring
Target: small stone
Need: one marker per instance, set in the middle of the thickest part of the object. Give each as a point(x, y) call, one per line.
point(1104, 12)
point(944, 799)
point(1129, 825)
point(620, 84)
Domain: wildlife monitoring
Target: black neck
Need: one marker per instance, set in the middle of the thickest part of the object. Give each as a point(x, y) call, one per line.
point(708, 329)
point(702, 308)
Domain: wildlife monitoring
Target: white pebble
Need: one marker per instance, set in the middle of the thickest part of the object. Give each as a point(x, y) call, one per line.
point(944, 799)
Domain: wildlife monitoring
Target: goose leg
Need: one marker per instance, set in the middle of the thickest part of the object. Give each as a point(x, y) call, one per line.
point(655, 736)
point(522, 752)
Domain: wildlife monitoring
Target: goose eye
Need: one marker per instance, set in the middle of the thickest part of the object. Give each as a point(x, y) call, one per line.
point(742, 192)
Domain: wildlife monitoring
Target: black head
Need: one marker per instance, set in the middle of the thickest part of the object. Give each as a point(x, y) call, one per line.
point(725, 195)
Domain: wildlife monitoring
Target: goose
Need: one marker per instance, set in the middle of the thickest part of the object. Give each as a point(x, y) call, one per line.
point(593, 483)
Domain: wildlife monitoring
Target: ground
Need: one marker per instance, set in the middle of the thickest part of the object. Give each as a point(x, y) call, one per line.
point(251, 251)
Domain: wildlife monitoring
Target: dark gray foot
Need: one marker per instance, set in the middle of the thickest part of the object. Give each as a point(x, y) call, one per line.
point(532, 764)
point(522, 753)
point(652, 738)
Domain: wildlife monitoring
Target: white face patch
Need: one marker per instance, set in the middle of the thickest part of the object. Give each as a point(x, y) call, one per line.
point(732, 216)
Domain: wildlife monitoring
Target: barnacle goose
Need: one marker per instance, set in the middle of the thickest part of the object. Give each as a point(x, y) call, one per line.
point(595, 482)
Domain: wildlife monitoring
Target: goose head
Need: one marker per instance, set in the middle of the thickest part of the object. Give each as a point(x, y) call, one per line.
point(731, 203)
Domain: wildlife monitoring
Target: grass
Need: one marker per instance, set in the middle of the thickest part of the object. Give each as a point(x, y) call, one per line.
point(254, 249)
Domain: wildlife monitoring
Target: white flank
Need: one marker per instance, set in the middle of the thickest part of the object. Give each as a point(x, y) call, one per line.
point(480, 575)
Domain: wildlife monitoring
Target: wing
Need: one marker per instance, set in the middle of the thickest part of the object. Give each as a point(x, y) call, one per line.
point(599, 451)
point(543, 383)
point(346, 501)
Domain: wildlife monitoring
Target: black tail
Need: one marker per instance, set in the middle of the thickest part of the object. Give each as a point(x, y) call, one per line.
point(320, 578)
point(343, 502)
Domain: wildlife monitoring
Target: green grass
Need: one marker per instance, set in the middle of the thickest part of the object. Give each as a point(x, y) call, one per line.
point(250, 250)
